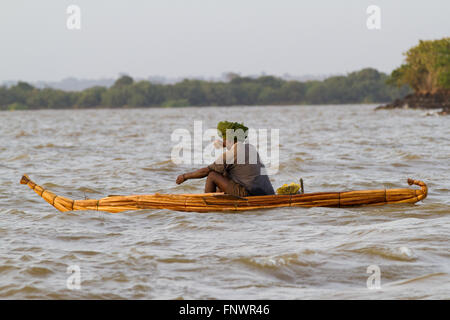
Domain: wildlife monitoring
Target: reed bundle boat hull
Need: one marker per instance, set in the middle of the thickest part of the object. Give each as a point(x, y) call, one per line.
point(214, 202)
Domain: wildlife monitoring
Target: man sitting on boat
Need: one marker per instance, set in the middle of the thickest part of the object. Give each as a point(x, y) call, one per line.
point(238, 171)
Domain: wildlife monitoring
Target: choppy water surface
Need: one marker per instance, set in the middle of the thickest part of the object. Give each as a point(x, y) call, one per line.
point(288, 253)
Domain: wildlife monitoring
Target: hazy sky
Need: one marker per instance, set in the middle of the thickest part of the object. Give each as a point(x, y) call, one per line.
point(177, 38)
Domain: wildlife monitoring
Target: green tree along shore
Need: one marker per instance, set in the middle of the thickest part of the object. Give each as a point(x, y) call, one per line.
point(427, 67)
point(427, 71)
point(364, 86)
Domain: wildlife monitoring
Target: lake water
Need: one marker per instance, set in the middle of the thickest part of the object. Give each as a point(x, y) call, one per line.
point(287, 253)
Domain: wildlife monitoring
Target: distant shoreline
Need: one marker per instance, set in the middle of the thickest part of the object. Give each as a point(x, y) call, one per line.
point(438, 100)
point(188, 107)
point(362, 87)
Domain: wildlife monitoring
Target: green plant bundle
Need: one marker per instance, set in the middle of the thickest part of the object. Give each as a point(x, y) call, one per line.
point(240, 131)
point(292, 188)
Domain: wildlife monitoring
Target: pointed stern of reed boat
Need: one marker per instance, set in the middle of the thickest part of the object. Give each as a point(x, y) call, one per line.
point(423, 192)
point(407, 195)
point(61, 203)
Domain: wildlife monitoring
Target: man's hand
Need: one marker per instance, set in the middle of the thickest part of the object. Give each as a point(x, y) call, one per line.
point(181, 179)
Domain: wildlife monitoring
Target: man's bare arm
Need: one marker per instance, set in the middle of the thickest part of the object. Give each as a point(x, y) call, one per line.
point(198, 174)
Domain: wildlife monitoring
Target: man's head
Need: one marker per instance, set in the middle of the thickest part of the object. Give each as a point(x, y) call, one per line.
point(232, 131)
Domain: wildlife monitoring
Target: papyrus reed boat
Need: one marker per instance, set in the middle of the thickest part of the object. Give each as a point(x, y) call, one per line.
point(210, 202)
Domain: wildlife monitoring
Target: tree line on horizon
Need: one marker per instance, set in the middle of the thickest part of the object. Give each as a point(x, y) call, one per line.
point(364, 86)
point(425, 71)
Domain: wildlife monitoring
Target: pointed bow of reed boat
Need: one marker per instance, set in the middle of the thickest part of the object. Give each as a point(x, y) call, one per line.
point(210, 202)
point(61, 203)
